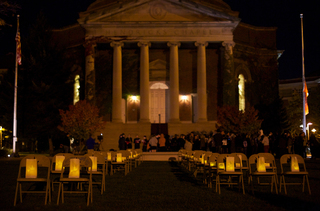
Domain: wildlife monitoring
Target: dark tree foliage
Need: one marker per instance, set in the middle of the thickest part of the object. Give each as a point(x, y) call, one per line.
point(274, 116)
point(44, 87)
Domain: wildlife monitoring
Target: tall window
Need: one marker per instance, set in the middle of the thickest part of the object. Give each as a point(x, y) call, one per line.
point(76, 92)
point(241, 92)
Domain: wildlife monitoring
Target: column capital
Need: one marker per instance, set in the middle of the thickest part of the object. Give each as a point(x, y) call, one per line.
point(173, 44)
point(116, 44)
point(205, 44)
point(228, 44)
point(89, 47)
point(144, 43)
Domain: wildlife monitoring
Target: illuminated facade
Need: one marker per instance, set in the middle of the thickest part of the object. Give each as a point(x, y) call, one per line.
point(172, 62)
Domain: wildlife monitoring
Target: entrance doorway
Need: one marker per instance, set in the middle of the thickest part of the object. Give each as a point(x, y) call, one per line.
point(158, 99)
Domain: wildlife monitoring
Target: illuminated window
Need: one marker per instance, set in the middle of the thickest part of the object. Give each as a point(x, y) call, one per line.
point(241, 90)
point(76, 95)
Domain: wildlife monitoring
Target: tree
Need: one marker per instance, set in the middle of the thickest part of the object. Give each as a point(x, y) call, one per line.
point(231, 119)
point(81, 120)
point(7, 8)
point(45, 85)
point(274, 116)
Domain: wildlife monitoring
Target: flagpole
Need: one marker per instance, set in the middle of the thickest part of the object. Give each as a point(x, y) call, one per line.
point(15, 95)
point(303, 79)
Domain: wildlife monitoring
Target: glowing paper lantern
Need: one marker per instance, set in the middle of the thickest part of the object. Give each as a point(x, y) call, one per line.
point(59, 162)
point(202, 158)
point(221, 166)
point(119, 157)
point(229, 163)
point(109, 156)
point(294, 164)
point(94, 163)
point(213, 164)
point(74, 168)
point(240, 157)
point(31, 168)
point(261, 167)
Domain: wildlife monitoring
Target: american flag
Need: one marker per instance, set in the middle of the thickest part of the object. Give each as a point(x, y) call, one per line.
point(18, 50)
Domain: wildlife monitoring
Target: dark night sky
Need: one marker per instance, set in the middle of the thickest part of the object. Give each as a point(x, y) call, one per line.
point(284, 14)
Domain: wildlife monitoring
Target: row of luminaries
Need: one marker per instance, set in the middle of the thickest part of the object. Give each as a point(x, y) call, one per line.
point(79, 172)
point(222, 168)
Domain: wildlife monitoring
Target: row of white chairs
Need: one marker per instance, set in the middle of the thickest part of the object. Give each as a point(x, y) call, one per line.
point(60, 170)
point(222, 168)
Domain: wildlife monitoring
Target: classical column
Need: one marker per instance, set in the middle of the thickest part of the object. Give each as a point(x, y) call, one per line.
point(202, 81)
point(117, 81)
point(144, 81)
point(228, 75)
point(174, 82)
point(90, 71)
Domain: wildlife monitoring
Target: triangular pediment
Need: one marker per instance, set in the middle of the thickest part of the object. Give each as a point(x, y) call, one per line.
point(154, 11)
point(158, 64)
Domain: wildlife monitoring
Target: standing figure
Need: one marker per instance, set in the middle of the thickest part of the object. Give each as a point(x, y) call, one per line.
point(153, 142)
point(122, 142)
point(162, 143)
point(144, 143)
point(90, 142)
point(129, 142)
point(137, 142)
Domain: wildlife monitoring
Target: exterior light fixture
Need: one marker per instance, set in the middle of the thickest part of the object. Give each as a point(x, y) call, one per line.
point(134, 98)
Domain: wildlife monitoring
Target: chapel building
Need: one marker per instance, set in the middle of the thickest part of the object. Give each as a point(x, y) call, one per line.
point(165, 66)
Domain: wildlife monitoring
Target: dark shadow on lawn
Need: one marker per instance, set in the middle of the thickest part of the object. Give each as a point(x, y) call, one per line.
point(182, 175)
point(285, 201)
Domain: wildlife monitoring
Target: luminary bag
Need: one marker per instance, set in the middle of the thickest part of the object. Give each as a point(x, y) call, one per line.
point(74, 168)
point(229, 163)
point(261, 167)
point(294, 164)
point(59, 162)
point(94, 163)
point(119, 157)
point(31, 168)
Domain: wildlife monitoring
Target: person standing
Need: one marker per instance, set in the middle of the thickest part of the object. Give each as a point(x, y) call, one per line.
point(137, 142)
point(122, 142)
point(265, 142)
point(144, 143)
point(153, 142)
point(289, 143)
point(90, 142)
point(129, 142)
point(217, 138)
point(313, 146)
point(188, 145)
point(162, 143)
point(298, 147)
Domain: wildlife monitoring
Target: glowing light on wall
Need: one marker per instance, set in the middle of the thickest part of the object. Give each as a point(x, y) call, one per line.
point(241, 92)
point(76, 95)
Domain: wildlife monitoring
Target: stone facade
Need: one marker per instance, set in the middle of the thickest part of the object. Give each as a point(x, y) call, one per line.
point(179, 59)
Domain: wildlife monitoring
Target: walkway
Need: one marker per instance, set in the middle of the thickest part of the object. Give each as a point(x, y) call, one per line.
point(161, 186)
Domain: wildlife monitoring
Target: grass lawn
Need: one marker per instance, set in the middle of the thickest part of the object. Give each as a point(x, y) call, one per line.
point(163, 186)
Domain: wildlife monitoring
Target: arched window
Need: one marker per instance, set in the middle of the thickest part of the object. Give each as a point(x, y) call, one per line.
point(76, 89)
point(241, 92)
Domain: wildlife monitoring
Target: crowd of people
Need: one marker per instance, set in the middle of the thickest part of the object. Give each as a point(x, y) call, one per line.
point(222, 142)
